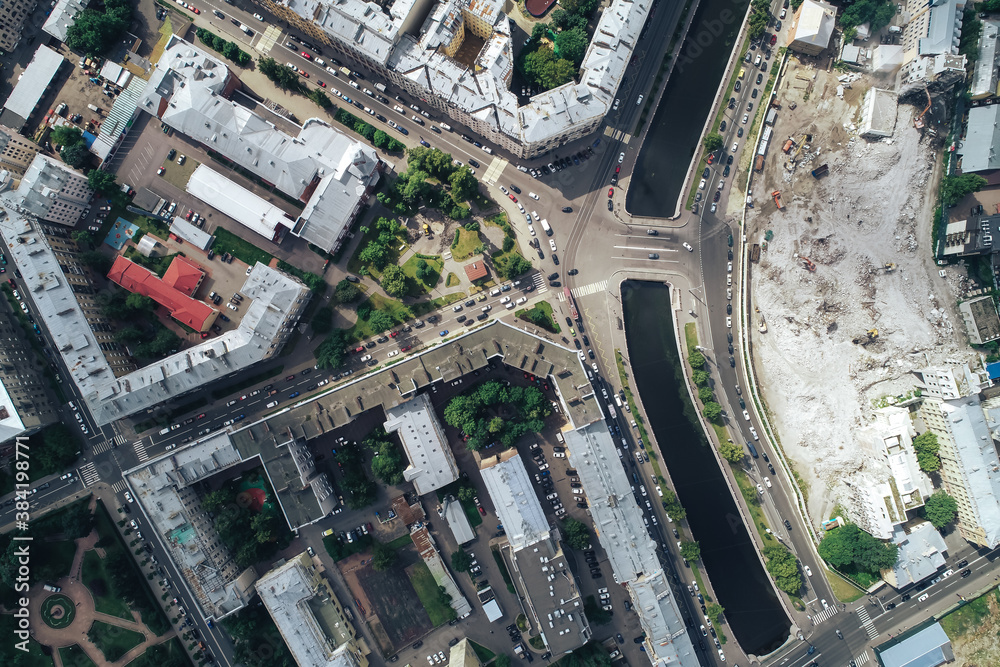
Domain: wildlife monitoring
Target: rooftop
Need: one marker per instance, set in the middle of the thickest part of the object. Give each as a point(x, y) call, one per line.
point(432, 463)
point(30, 88)
point(476, 270)
point(173, 291)
point(234, 201)
point(927, 648)
point(984, 78)
point(62, 17)
point(944, 27)
point(921, 554)
point(454, 516)
point(981, 319)
point(514, 498)
point(982, 138)
point(815, 23)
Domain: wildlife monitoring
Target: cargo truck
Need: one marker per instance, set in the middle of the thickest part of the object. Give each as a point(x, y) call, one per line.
point(545, 226)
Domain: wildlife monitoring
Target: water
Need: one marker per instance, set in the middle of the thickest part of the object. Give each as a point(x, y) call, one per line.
point(676, 127)
point(753, 613)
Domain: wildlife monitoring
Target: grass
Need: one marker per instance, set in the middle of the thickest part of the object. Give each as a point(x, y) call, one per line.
point(466, 245)
point(503, 570)
point(623, 376)
point(690, 336)
point(410, 269)
point(74, 655)
point(969, 616)
point(33, 656)
point(93, 572)
point(226, 241)
point(452, 281)
point(355, 265)
point(543, 311)
point(843, 589)
point(427, 590)
point(536, 642)
point(403, 540)
point(113, 641)
point(399, 312)
point(749, 490)
point(178, 175)
point(483, 653)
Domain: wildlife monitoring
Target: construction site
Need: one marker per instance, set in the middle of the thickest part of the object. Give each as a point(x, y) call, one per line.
point(845, 298)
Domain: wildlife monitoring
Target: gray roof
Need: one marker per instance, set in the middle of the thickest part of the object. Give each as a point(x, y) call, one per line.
point(977, 460)
point(31, 86)
point(982, 137)
point(944, 28)
point(119, 118)
point(63, 15)
point(190, 233)
point(921, 554)
point(454, 515)
point(984, 78)
point(630, 550)
point(44, 184)
point(515, 500)
point(928, 648)
point(432, 463)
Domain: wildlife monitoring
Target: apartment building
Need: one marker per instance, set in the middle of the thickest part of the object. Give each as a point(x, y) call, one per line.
point(16, 151)
point(53, 191)
point(12, 15)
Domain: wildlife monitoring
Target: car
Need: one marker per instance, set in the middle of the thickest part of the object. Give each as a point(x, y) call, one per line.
point(621, 640)
point(738, 85)
point(567, 209)
point(729, 322)
point(717, 195)
point(736, 146)
point(181, 159)
point(443, 333)
point(159, 172)
point(621, 158)
point(966, 573)
point(653, 255)
point(767, 482)
point(611, 205)
point(746, 117)
point(774, 39)
point(687, 246)
point(805, 568)
point(732, 361)
point(258, 17)
point(760, 77)
point(788, 524)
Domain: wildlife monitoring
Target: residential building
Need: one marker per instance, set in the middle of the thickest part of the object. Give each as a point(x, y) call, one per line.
point(948, 381)
point(476, 270)
point(12, 15)
point(938, 72)
point(53, 191)
point(309, 617)
point(970, 468)
point(432, 463)
point(415, 45)
point(428, 551)
point(927, 647)
point(921, 554)
point(26, 402)
point(632, 553)
point(453, 513)
point(981, 320)
point(62, 16)
point(931, 28)
point(173, 291)
point(979, 150)
point(984, 82)
point(16, 152)
point(332, 175)
point(812, 27)
point(34, 81)
point(534, 553)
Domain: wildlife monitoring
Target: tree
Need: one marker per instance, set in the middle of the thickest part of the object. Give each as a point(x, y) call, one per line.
point(97, 261)
point(284, 77)
point(96, 31)
point(705, 394)
point(577, 535)
point(849, 546)
point(466, 493)
point(376, 254)
point(700, 378)
point(380, 139)
point(347, 292)
point(712, 411)
point(781, 565)
point(388, 463)
point(66, 135)
point(560, 19)
point(595, 612)
point(321, 98)
point(539, 30)
point(954, 188)
point(712, 142)
point(102, 182)
point(696, 359)
point(672, 505)
point(926, 446)
point(557, 73)
point(572, 44)
point(757, 25)
point(76, 155)
point(940, 509)
point(714, 611)
point(140, 303)
point(331, 352)
point(383, 556)
point(394, 281)
point(731, 452)
point(463, 184)
point(414, 185)
point(381, 321)
point(322, 321)
point(691, 550)
point(461, 561)
point(83, 238)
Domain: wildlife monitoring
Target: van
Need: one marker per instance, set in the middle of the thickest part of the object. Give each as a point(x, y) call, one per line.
point(618, 400)
point(487, 150)
point(165, 431)
point(559, 437)
point(753, 450)
point(272, 404)
point(445, 126)
point(50, 587)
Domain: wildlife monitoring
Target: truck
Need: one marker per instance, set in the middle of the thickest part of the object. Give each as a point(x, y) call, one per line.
point(346, 72)
point(545, 226)
point(611, 411)
point(821, 171)
point(380, 86)
point(758, 164)
point(94, 108)
point(755, 253)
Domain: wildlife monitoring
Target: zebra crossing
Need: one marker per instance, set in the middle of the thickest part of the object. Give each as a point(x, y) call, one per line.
point(825, 615)
point(105, 445)
point(119, 486)
point(89, 474)
point(539, 282)
point(866, 623)
point(592, 288)
point(140, 449)
point(862, 659)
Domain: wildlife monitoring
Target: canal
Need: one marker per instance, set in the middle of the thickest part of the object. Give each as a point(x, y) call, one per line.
point(753, 613)
point(676, 126)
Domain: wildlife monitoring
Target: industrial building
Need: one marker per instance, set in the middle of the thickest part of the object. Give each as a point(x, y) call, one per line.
point(34, 81)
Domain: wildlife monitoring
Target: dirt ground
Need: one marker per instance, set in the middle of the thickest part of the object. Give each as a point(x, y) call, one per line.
point(873, 208)
point(973, 630)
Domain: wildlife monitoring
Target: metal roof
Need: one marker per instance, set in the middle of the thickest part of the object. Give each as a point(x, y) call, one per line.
point(432, 463)
point(928, 648)
point(515, 500)
point(32, 85)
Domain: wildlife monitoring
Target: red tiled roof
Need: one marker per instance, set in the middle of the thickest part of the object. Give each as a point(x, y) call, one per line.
point(196, 314)
point(476, 270)
point(183, 275)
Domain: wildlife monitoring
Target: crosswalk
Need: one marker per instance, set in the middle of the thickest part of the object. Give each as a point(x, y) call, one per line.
point(105, 445)
point(493, 172)
point(140, 449)
point(862, 659)
point(592, 288)
point(538, 280)
point(825, 615)
point(119, 486)
point(89, 474)
point(866, 623)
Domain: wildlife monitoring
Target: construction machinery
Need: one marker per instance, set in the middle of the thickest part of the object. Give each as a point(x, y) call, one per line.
point(761, 322)
point(777, 200)
point(918, 122)
point(889, 267)
point(867, 338)
point(808, 264)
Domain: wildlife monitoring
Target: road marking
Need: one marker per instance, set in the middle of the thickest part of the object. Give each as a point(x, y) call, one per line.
point(862, 659)
point(866, 623)
point(140, 449)
point(626, 137)
point(102, 446)
point(539, 282)
point(89, 474)
point(268, 39)
point(494, 170)
point(592, 288)
point(608, 132)
point(825, 615)
point(119, 486)
point(635, 247)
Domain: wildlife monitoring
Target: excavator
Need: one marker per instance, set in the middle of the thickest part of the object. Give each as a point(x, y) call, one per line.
point(867, 338)
point(918, 122)
point(808, 264)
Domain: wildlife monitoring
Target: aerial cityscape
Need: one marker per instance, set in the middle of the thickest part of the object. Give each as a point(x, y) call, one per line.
point(599, 333)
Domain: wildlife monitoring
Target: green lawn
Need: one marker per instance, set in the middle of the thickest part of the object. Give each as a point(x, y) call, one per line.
point(74, 656)
point(226, 241)
point(403, 540)
point(355, 265)
point(113, 642)
point(410, 269)
point(399, 312)
point(427, 590)
point(178, 175)
point(466, 246)
point(969, 616)
point(543, 312)
point(452, 281)
point(844, 590)
point(483, 653)
point(502, 564)
point(95, 578)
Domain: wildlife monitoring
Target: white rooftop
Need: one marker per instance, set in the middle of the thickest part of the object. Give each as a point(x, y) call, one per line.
point(921, 554)
point(815, 23)
point(515, 500)
point(977, 458)
point(32, 85)
point(432, 464)
point(984, 78)
point(982, 139)
point(233, 200)
point(63, 15)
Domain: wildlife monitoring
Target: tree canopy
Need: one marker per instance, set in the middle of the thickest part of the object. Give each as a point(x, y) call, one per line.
point(577, 535)
point(712, 142)
point(383, 556)
point(940, 509)
point(283, 77)
point(461, 561)
point(523, 408)
point(712, 411)
point(102, 182)
point(388, 462)
point(672, 505)
point(691, 550)
point(572, 44)
point(954, 188)
point(96, 31)
point(781, 564)
point(331, 352)
point(76, 155)
point(731, 451)
point(850, 547)
point(394, 281)
point(926, 446)
point(878, 13)
point(347, 292)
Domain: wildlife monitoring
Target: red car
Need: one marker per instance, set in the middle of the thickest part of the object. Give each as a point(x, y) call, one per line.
point(711, 158)
point(195, 10)
point(201, 416)
point(513, 198)
point(359, 349)
point(306, 55)
point(618, 169)
point(189, 214)
point(405, 348)
point(204, 334)
point(482, 511)
point(611, 192)
point(304, 73)
point(290, 377)
point(393, 334)
point(321, 84)
point(774, 39)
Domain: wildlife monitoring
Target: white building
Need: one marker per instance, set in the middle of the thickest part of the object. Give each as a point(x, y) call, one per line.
point(53, 191)
point(432, 463)
point(515, 501)
point(878, 113)
point(948, 381)
point(812, 27)
point(34, 81)
point(984, 80)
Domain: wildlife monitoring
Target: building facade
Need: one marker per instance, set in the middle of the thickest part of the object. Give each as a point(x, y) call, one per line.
point(52, 191)
point(16, 152)
point(12, 15)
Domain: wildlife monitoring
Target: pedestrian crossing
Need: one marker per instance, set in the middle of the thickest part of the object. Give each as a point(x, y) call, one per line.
point(866, 623)
point(89, 474)
point(862, 659)
point(825, 615)
point(119, 486)
point(493, 172)
point(105, 445)
point(592, 288)
point(539, 282)
point(140, 449)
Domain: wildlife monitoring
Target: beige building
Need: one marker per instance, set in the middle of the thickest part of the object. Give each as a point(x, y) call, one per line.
point(16, 151)
point(12, 15)
point(812, 27)
point(53, 191)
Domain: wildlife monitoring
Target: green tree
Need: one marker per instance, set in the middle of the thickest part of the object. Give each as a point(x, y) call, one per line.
point(712, 411)
point(672, 505)
point(560, 19)
point(347, 292)
point(700, 378)
point(731, 452)
point(83, 238)
point(97, 261)
point(849, 546)
point(76, 155)
point(714, 611)
point(394, 281)
point(388, 464)
point(380, 321)
point(380, 139)
point(463, 184)
point(595, 612)
point(102, 182)
point(538, 31)
point(140, 303)
point(331, 352)
point(376, 254)
point(557, 73)
point(414, 185)
point(383, 556)
point(283, 77)
point(954, 188)
point(781, 564)
point(691, 550)
point(461, 561)
point(572, 44)
point(466, 493)
point(96, 31)
point(757, 25)
point(577, 535)
point(926, 446)
point(66, 135)
point(705, 394)
point(712, 142)
point(940, 509)
point(324, 102)
point(696, 359)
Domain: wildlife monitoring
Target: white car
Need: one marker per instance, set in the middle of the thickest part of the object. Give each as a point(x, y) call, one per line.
point(229, 422)
point(760, 489)
point(688, 247)
point(746, 415)
point(534, 214)
point(615, 107)
point(392, 354)
point(729, 268)
point(594, 366)
point(533, 196)
point(441, 656)
point(729, 322)
point(552, 244)
point(767, 482)
point(736, 146)
point(578, 492)
point(638, 101)
point(746, 117)
point(808, 572)
point(367, 357)
point(258, 17)
point(552, 496)
point(753, 432)
point(701, 185)
point(621, 158)
point(559, 455)
point(504, 190)
point(521, 300)
point(506, 299)
point(581, 355)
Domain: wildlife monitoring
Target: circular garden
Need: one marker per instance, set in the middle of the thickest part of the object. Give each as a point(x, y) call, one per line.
point(58, 611)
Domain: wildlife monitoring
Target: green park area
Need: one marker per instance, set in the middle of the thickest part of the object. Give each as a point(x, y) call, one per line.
point(540, 315)
point(113, 641)
point(435, 602)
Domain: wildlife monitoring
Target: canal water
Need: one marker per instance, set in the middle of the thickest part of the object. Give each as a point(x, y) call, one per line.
point(753, 613)
point(676, 126)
